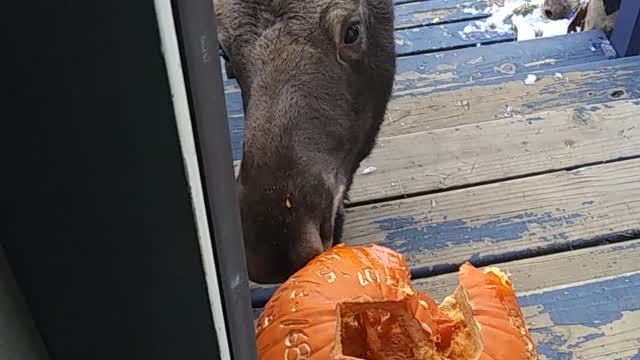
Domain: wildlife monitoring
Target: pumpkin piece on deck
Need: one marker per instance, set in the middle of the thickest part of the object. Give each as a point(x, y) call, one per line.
point(356, 303)
point(493, 316)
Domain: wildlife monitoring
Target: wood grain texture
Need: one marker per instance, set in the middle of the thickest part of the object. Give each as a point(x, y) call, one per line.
point(533, 275)
point(502, 221)
point(446, 72)
point(497, 60)
point(445, 37)
point(439, 11)
point(424, 108)
point(597, 320)
point(507, 220)
point(499, 149)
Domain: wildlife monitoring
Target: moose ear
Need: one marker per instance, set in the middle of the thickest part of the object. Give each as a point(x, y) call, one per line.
point(611, 6)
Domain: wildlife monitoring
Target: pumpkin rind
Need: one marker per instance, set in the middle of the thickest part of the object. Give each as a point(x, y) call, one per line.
point(497, 315)
point(301, 320)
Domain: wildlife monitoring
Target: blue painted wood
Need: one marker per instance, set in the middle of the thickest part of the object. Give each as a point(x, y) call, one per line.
point(573, 317)
point(439, 12)
point(415, 241)
point(546, 214)
point(493, 65)
point(444, 37)
point(625, 36)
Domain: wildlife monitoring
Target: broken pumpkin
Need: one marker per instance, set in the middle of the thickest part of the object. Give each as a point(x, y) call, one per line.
point(356, 303)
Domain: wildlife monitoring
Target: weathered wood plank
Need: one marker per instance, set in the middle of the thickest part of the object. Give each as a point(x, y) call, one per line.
point(438, 12)
point(499, 149)
point(452, 70)
point(444, 37)
point(549, 271)
point(502, 221)
point(427, 108)
point(597, 320)
point(579, 304)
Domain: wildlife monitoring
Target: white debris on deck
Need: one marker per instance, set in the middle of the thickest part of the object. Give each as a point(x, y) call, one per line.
point(531, 79)
point(509, 18)
point(369, 170)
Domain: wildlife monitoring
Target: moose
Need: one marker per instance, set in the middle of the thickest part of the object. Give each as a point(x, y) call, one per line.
point(316, 78)
point(594, 14)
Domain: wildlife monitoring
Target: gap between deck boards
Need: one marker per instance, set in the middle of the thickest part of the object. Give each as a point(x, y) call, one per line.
point(557, 213)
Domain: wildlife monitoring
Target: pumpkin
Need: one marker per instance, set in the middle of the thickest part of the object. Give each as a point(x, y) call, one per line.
point(354, 303)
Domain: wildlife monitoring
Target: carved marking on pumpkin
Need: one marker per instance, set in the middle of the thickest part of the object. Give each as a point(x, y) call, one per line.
point(294, 323)
point(393, 281)
point(297, 293)
point(345, 274)
point(328, 275)
point(296, 346)
point(369, 277)
point(267, 320)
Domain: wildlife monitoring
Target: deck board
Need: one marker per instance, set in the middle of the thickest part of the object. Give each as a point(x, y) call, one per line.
point(439, 11)
point(450, 70)
point(502, 221)
point(423, 13)
point(500, 149)
point(444, 37)
point(449, 73)
point(425, 108)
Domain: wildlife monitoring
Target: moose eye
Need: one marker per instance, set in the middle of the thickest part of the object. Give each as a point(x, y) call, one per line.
point(352, 34)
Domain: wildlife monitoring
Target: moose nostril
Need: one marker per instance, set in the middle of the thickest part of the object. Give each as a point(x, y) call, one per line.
point(548, 13)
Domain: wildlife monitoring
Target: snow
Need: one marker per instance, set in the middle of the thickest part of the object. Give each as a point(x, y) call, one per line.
point(369, 170)
point(531, 79)
point(530, 25)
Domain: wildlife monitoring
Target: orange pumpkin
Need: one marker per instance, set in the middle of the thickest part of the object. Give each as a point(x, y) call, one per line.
point(353, 303)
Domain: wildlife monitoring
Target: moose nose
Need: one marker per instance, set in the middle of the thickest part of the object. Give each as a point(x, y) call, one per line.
point(262, 271)
point(548, 13)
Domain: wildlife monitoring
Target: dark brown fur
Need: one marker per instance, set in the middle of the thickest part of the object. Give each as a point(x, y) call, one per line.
point(594, 14)
point(313, 108)
point(559, 9)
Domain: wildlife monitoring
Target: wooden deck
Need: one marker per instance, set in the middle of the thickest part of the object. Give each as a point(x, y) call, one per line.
point(542, 180)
